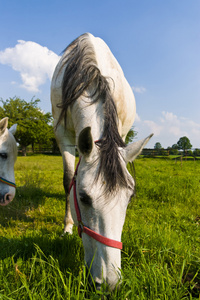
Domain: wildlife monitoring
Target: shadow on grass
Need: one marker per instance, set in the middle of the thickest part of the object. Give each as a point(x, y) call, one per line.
point(27, 198)
point(68, 250)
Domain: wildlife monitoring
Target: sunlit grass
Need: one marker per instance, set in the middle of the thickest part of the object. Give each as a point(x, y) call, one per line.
point(161, 239)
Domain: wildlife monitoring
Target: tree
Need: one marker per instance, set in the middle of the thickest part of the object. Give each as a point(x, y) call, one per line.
point(175, 146)
point(173, 150)
point(130, 136)
point(157, 146)
point(184, 144)
point(34, 126)
point(196, 152)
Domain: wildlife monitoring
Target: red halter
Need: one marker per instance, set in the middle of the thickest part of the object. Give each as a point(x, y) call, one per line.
point(82, 228)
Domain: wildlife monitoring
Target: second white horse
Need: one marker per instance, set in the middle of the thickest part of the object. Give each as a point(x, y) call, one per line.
point(8, 156)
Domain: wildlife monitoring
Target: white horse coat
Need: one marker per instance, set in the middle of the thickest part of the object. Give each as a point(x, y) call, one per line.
point(94, 108)
point(8, 156)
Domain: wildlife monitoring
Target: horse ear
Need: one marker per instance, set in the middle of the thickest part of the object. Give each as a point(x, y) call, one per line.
point(85, 141)
point(134, 149)
point(13, 129)
point(3, 125)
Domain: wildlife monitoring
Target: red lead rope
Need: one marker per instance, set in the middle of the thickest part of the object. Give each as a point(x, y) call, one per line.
point(82, 228)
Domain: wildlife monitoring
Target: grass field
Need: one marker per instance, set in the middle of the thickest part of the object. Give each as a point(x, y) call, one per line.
point(161, 236)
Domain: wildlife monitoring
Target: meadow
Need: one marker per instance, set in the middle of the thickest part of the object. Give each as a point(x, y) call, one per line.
point(161, 235)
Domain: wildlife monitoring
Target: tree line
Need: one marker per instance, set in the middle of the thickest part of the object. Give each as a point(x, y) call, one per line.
point(34, 127)
point(183, 144)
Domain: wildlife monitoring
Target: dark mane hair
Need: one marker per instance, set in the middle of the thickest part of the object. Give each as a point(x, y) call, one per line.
point(81, 73)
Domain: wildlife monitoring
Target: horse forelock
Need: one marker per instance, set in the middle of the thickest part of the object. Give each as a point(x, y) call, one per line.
point(82, 72)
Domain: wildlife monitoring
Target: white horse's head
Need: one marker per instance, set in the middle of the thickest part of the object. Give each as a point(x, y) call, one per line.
point(8, 156)
point(101, 210)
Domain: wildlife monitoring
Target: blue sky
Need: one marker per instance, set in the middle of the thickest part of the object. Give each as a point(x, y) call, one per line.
point(157, 44)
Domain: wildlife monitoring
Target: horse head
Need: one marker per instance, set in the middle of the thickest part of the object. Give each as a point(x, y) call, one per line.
point(101, 211)
point(8, 156)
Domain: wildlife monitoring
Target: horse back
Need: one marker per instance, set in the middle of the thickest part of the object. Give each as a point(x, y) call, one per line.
point(109, 67)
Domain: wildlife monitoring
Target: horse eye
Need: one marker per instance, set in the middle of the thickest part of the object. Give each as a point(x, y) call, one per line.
point(3, 155)
point(85, 198)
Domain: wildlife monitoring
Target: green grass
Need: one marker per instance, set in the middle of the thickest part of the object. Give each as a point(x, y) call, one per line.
point(161, 236)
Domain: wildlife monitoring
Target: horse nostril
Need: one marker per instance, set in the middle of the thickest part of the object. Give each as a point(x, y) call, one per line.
point(7, 197)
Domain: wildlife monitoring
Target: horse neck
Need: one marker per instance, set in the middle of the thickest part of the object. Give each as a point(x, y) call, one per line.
point(85, 114)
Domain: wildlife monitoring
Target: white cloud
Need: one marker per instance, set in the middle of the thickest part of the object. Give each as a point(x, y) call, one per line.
point(196, 132)
point(170, 117)
point(176, 131)
point(137, 118)
point(168, 128)
point(34, 62)
point(154, 127)
point(139, 90)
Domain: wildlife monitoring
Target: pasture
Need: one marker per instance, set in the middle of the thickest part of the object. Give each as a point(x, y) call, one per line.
point(161, 239)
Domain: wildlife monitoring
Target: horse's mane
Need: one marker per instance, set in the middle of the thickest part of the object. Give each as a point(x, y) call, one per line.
point(81, 71)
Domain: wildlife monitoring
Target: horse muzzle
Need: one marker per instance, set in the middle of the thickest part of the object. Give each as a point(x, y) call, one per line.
point(5, 199)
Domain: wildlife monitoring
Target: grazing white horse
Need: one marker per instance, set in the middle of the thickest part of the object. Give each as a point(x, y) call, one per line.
point(8, 156)
point(94, 108)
